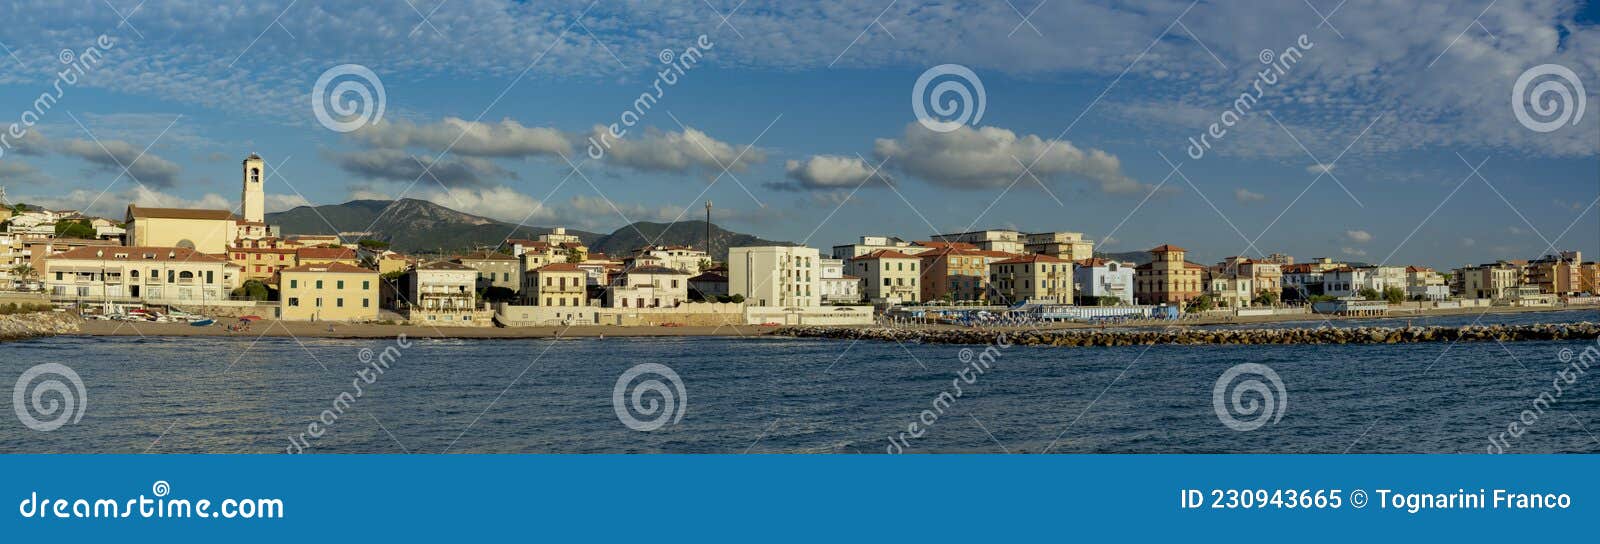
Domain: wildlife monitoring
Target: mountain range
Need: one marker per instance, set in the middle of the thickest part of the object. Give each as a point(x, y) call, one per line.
point(419, 226)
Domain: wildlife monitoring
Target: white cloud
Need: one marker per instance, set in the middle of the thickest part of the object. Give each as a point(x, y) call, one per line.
point(1320, 168)
point(397, 165)
point(1353, 252)
point(499, 202)
point(1468, 242)
point(508, 138)
point(827, 172)
point(992, 158)
point(278, 203)
point(1244, 195)
point(114, 204)
point(665, 151)
point(1358, 236)
point(1516, 231)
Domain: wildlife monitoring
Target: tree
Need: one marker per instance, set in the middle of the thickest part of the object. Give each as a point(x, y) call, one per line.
point(1368, 293)
point(1266, 298)
point(705, 264)
point(24, 272)
point(1107, 301)
point(1202, 303)
point(1394, 295)
point(497, 294)
point(374, 245)
point(736, 299)
point(253, 290)
point(573, 257)
point(74, 229)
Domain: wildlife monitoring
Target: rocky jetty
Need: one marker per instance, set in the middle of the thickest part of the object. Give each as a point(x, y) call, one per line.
point(1180, 335)
point(34, 325)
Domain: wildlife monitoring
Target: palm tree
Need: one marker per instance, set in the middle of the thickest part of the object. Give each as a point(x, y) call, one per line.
point(23, 272)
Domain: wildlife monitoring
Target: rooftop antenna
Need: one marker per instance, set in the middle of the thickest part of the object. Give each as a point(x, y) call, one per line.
point(708, 225)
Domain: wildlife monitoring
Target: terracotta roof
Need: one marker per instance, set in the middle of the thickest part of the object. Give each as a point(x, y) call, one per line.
point(1303, 268)
point(444, 265)
point(1033, 258)
point(325, 253)
point(942, 245)
point(654, 270)
point(709, 276)
point(137, 253)
point(486, 256)
point(883, 254)
point(179, 213)
point(1093, 262)
point(571, 245)
point(559, 267)
point(334, 268)
point(1164, 248)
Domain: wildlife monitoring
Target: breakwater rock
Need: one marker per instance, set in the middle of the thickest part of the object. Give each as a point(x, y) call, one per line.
point(33, 325)
point(1175, 335)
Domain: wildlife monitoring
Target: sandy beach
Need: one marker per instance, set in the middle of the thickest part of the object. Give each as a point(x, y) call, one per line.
point(365, 330)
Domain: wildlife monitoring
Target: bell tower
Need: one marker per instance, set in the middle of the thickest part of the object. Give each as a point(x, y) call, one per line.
point(253, 199)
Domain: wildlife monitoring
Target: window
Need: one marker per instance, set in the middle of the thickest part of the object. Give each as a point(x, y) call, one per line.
point(294, 301)
point(319, 284)
point(319, 302)
point(294, 284)
point(366, 285)
point(339, 284)
point(339, 302)
point(366, 303)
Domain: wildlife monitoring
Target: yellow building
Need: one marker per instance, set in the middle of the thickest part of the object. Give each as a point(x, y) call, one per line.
point(1168, 278)
point(327, 255)
point(1036, 278)
point(559, 284)
point(331, 292)
point(392, 263)
point(891, 277)
point(206, 231)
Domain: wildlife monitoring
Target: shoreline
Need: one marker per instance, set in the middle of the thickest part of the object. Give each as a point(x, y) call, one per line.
point(302, 329)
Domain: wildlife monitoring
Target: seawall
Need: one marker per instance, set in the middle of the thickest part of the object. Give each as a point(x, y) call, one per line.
point(1324, 335)
point(34, 325)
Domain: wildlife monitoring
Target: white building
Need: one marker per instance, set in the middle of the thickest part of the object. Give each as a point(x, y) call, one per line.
point(776, 275)
point(869, 244)
point(443, 291)
point(1097, 278)
point(648, 287)
point(682, 258)
point(155, 275)
point(1424, 282)
point(837, 286)
point(1006, 240)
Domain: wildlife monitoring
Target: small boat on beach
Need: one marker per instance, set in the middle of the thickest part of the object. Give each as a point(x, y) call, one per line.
point(202, 323)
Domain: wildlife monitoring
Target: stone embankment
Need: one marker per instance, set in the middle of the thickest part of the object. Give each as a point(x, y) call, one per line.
point(1324, 335)
point(33, 325)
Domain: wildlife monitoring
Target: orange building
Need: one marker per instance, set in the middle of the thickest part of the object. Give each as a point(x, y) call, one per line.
point(1168, 279)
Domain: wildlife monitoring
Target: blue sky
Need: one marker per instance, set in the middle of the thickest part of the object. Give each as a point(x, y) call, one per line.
point(1096, 98)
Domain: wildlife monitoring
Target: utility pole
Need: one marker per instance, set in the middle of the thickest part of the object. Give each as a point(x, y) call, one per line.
point(708, 229)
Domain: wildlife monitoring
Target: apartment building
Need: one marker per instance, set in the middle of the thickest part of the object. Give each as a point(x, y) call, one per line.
point(888, 276)
point(648, 287)
point(1064, 245)
point(1036, 278)
point(869, 244)
point(559, 284)
point(783, 276)
point(154, 275)
point(1003, 240)
point(328, 292)
point(495, 269)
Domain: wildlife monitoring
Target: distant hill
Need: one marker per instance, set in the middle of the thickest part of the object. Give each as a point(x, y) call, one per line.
point(419, 226)
point(409, 225)
point(684, 233)
point(1135, 257)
